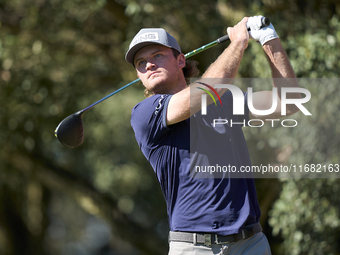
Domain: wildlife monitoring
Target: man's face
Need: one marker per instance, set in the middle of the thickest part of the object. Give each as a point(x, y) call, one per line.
point(159, 70)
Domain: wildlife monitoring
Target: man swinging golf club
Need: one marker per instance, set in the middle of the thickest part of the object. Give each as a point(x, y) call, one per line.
point(206, 215)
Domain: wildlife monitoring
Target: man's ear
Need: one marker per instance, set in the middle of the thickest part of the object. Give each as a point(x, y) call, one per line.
point(181, 60)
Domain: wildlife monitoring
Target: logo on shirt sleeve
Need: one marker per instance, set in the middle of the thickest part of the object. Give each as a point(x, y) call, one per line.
point(159, 105)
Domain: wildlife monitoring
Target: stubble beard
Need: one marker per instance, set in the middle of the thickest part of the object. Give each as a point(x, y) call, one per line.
point(170, 85)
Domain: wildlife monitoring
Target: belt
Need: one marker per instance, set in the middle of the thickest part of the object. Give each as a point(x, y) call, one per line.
point(208, 239)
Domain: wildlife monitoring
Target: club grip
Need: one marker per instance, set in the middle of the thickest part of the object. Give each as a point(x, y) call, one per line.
point(223, 39)
point(265, 23)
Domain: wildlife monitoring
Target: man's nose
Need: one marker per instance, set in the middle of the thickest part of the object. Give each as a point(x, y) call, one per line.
point(150, 64)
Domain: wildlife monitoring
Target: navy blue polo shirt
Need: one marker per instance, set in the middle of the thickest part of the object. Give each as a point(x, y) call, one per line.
point(197, 201)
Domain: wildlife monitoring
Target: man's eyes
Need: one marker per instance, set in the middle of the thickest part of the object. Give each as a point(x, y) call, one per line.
point(143, 62)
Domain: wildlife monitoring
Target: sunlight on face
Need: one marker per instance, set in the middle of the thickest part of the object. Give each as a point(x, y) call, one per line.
point(159, 70)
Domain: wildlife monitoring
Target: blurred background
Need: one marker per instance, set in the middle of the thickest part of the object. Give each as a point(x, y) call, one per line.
point(59, 56)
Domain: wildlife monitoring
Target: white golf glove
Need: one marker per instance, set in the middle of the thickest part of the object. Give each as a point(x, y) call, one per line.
point(262, 35)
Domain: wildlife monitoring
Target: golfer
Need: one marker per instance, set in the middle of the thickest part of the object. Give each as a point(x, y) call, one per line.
point(206, 215)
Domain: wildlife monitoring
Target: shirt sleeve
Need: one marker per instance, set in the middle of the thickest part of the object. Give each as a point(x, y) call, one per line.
point(148, 120)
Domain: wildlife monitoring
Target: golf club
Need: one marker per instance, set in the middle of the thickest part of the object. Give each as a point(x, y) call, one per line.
point(70, 131)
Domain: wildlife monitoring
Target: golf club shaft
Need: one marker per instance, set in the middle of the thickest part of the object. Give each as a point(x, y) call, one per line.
point(188, 55)
point(265, 22)
point(110, 95)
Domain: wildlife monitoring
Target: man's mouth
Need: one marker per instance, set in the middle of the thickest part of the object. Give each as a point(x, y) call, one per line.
point(152, 74)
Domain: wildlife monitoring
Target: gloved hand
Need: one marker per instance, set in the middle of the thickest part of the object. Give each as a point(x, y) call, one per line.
point(262, 35)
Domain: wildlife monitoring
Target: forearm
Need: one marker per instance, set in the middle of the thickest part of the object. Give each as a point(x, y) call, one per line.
point(227, 64)
point(188, 101)
point(283, 76)
point(279, 64)
point(223, 70)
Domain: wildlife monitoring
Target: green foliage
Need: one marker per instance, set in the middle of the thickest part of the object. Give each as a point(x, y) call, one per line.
point(307, 215)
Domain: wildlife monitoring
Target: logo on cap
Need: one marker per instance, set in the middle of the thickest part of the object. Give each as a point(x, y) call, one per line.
point(146, 37)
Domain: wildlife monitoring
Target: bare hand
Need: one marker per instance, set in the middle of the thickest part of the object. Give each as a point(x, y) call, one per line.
point(239, 32)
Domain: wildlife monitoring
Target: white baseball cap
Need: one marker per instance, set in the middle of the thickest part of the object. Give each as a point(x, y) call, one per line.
point(149, 36)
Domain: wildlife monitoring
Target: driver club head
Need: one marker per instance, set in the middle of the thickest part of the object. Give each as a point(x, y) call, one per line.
point(70, 131)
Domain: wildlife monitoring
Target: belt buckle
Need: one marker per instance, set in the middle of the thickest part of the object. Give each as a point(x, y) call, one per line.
point(218, 242)
point(207, 239)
